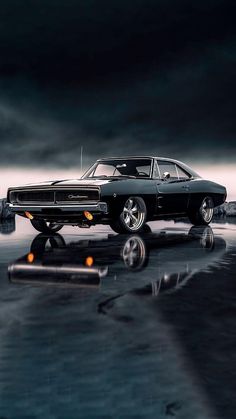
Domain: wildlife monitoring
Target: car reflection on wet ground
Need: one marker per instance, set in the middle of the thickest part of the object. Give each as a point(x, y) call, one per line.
point(98, 325)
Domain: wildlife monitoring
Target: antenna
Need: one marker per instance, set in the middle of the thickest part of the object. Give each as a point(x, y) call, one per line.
point(81, 160)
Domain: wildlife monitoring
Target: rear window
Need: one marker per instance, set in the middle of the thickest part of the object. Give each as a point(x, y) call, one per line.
point(168, 167)
point(175, 171)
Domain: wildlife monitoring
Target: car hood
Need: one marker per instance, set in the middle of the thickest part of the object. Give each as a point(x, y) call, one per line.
point(73, 182)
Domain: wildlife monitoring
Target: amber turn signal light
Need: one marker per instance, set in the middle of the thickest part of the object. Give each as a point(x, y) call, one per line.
point(30, 257)
point(29, 215)
point(89, 261)
point(88, 215)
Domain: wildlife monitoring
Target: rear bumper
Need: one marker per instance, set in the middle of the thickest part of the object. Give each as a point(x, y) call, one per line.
point(100, 207)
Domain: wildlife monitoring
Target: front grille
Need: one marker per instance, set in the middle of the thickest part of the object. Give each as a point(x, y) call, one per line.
point(77, 195)
point(35, 196)
point(55, 196)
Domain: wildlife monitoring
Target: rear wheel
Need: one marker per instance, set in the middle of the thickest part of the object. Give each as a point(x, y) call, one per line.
point(203, 215)
point(132, 217)
point(45, 226)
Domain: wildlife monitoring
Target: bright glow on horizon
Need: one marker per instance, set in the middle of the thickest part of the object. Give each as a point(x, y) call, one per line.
point(223, 174)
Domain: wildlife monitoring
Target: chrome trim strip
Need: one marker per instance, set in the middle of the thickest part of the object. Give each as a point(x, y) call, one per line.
point(99, 207)
point(52, 188)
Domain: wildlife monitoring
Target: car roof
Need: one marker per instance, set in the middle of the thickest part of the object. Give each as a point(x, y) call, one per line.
point(137, 157)
point(126, 157)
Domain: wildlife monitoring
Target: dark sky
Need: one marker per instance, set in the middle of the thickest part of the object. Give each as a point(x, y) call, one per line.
point(118, 77)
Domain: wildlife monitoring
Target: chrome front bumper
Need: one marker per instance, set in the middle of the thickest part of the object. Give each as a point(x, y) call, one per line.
point(100, 207)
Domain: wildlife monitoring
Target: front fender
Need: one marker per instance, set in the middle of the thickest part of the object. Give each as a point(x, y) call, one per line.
point(116, 193)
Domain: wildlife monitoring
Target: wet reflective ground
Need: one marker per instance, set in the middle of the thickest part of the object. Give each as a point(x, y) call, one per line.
point(98, 325)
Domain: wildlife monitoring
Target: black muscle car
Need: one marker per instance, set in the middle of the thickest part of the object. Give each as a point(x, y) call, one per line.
point(124, 193)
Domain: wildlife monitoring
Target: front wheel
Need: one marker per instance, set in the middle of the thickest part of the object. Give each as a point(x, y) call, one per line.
point(203, 215)
point(132, 217)
point(45, 227)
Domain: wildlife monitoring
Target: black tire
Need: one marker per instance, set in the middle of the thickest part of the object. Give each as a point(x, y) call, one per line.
point(132, 217)
point(39, 243)
point(204, 214)
point(45, 227)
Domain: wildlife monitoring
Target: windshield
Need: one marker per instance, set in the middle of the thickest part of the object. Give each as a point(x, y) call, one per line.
point(117, 168)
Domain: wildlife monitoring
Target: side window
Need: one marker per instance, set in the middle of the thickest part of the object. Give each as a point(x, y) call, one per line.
point(143, 170)
point(182, 174)
point(165, 166)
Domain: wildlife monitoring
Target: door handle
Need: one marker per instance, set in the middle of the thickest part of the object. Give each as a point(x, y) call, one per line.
point(185, 187)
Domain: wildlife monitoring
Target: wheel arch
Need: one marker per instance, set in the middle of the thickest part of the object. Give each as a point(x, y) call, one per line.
point(195, 199)
point(115, 194)
point(116, 203)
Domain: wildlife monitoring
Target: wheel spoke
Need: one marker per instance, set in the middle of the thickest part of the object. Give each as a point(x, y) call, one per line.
point(129, 204)
point(133, 218)
point(133, 245)
point(127, 220)
point(127, 247)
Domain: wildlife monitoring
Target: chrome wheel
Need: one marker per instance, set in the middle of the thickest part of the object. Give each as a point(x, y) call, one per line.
point(206, 210)
point(134, 253)
point(133, 214)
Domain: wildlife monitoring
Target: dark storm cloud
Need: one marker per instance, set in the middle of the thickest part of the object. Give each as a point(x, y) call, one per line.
point(116, 77)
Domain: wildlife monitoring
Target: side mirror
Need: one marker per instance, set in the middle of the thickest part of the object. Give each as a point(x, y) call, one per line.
point(166, 176)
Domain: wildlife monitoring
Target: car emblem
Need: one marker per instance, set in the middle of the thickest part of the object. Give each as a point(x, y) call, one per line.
point(71, 196)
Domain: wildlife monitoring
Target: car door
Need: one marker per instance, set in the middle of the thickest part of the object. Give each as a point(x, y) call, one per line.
point(173, 192)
